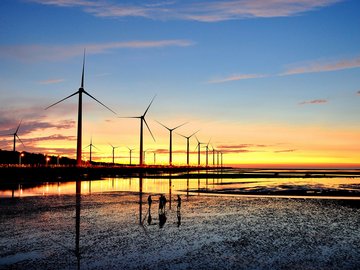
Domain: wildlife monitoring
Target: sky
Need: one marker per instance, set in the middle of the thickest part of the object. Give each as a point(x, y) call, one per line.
point(268, 83)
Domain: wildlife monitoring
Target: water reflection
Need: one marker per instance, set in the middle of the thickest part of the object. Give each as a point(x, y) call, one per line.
point(182, 186)
point(77, 222)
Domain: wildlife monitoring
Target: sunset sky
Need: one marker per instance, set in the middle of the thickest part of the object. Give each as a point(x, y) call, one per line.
point(271, 83)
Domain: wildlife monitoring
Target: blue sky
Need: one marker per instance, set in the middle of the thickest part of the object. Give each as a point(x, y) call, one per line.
point(221, 65)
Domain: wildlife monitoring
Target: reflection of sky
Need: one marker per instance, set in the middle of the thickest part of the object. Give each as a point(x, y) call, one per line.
point(162, 186)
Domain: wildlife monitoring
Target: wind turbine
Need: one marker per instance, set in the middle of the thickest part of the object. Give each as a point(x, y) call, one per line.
point(79, 127)
point(91, 146)
point(170, 147)
point(207, 153)
point(187, 146)
point(199, 150)
point(213, 150)
point(113, 152)
point(15, 136)
point(130, 150)
point(142, 121)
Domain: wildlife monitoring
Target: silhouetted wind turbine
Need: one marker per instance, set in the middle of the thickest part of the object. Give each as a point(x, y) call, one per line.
point(91, 146)
point(170, 147)
point(213, 150)
point(207, 153)
point(15, 134)
point(79, 127)
point(130, 150)
point(188, 146)
point(113, 152)
point(142, 121)
point(199, 150)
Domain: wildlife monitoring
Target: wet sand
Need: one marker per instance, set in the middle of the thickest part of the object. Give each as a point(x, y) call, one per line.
point(215, 233)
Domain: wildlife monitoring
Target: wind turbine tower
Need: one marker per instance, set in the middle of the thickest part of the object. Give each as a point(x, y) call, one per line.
point(91, 146)
point(15, 134)
point(199, 149)
point(130, 152)
point(170, 147)
point(188, 146)
point(113, 153)
point(79, 127)
point(142, 121)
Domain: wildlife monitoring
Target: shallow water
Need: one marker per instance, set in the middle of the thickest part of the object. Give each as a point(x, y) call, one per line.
point(341, 186)
point(105, 225)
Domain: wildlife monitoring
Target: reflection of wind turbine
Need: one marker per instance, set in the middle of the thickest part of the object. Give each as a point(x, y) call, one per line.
point(77, 222)
point(188, 146)
point(113, 152)
point(79, 127)
point(199, 150)
point(142, 121)
point(170, 147)
point(15, 134)
point(91, 146)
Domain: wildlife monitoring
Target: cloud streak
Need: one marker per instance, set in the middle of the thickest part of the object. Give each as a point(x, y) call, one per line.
point(51, 81)
point(315, 101)
point(310, 67)
point(323, 66)
point(203, 11)
point(53, 53)
point(238, 77)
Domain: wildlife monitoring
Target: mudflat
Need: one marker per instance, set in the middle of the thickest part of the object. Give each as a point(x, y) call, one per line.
point(112, 231)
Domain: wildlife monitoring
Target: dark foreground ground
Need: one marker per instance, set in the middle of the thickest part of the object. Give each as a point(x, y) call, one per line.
point(215, 233)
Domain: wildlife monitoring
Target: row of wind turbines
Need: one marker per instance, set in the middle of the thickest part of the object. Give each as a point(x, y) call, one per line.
point(142, 118)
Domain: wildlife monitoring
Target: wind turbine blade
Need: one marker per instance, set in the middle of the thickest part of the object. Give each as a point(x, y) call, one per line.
point(163, 125)
point(19, 139)
point(86, 146)
point(181, 135)
point(149, 130)
point(194, 133)
point(149, 106)
point(197, 139)
point(197, 146)
point(96, 147)
point(18, 127)
point(62, 100)
point(83, 68)
point(208, 142)
point(99, 102)
point(180, 125)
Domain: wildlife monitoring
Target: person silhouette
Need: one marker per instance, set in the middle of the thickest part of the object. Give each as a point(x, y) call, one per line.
point(164, 202)
point(149, 201)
